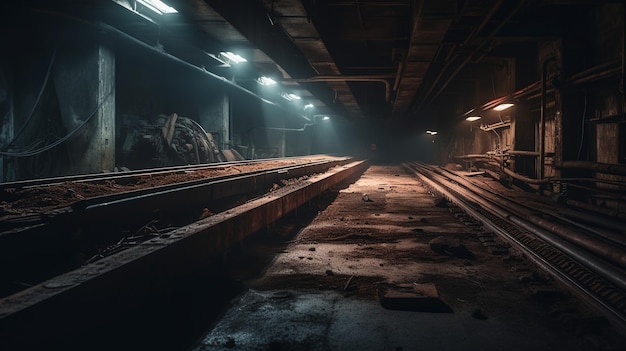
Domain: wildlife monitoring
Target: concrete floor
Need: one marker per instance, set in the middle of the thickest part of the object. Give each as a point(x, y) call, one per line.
point(327, 289)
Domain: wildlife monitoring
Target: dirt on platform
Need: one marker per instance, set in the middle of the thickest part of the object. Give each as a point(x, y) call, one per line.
point(385, 233)
point(18, 202)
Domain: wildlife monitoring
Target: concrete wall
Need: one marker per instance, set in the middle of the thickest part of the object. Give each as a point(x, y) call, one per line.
point(84, 79)
point(59, 110)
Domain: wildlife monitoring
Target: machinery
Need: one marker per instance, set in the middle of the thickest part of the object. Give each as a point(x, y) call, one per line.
point(161, 140)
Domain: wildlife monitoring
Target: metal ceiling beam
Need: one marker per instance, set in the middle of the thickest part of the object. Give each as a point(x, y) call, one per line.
point(380, 79)
point(478, 48)
point(449, 57)
point(253, 20)
point(293, 18)
point(370, 3)
point(432, 21)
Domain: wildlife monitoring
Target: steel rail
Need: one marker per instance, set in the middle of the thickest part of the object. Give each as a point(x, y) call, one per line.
point(148, 200)
point(102, 290)
point(602, 248)
point(100, 177)
point(601, 225)
point(607, 297)
point(612, 236)
point(88, 225)
point(291, 170)
point(598, 265)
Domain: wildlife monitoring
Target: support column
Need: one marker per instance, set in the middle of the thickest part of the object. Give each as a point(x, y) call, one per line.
point(282, 141)
point(7, 123)
point(282, 146)
point(84, 78)
point(214, 117)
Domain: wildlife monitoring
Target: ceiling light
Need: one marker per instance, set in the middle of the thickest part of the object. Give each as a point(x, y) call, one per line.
point(473, 118)
point(431, 132)
point(265, 81)
point(157, 6)
point(290, 96)
point(234, 58)
point(308, 106)
point(325, 118)
point(502, 107)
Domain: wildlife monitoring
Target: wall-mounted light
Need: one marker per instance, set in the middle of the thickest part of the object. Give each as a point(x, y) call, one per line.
point(157, 6)
point(431, 132)
point(502, 107)
point(231, 57)
point(473, 118)
point(265, 81)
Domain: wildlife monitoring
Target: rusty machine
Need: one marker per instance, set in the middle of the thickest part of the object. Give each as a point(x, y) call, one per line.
point(160, 141)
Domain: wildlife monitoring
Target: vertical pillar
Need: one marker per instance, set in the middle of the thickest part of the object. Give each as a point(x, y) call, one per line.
point(282, 146)
point(524, 139)
point(214, 117)
point(282, 141)
point(84, 78)
point(6, 121)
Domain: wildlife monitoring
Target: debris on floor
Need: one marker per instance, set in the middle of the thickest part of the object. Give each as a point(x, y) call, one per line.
point(426, 283)
point(413, 297)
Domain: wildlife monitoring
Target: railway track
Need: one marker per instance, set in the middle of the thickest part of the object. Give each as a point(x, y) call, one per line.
point(130, 176)
point(587, 255)
point(181, 182)
point(38, 246)
point(143, 272)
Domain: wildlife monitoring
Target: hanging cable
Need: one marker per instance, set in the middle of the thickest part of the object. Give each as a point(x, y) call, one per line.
point(63, 139)
point(35, 104)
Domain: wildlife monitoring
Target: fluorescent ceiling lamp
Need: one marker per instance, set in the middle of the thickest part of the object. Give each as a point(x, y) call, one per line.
point(431, 132)
point(502, 107)
point(473, 118)
point(265, 81)
point(157, 6)
point(290, 96)
point(234, 58)
point(325, 118)
point(308, 106)
point(217, 58)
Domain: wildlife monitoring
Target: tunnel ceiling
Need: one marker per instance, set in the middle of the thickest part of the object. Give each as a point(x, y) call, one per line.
point(361, 59)
point(373, 59)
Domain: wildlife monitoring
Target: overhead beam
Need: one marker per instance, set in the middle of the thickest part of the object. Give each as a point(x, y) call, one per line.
point(373, 4)
point(432, 21)
point(293, 17)
point(253, 20)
